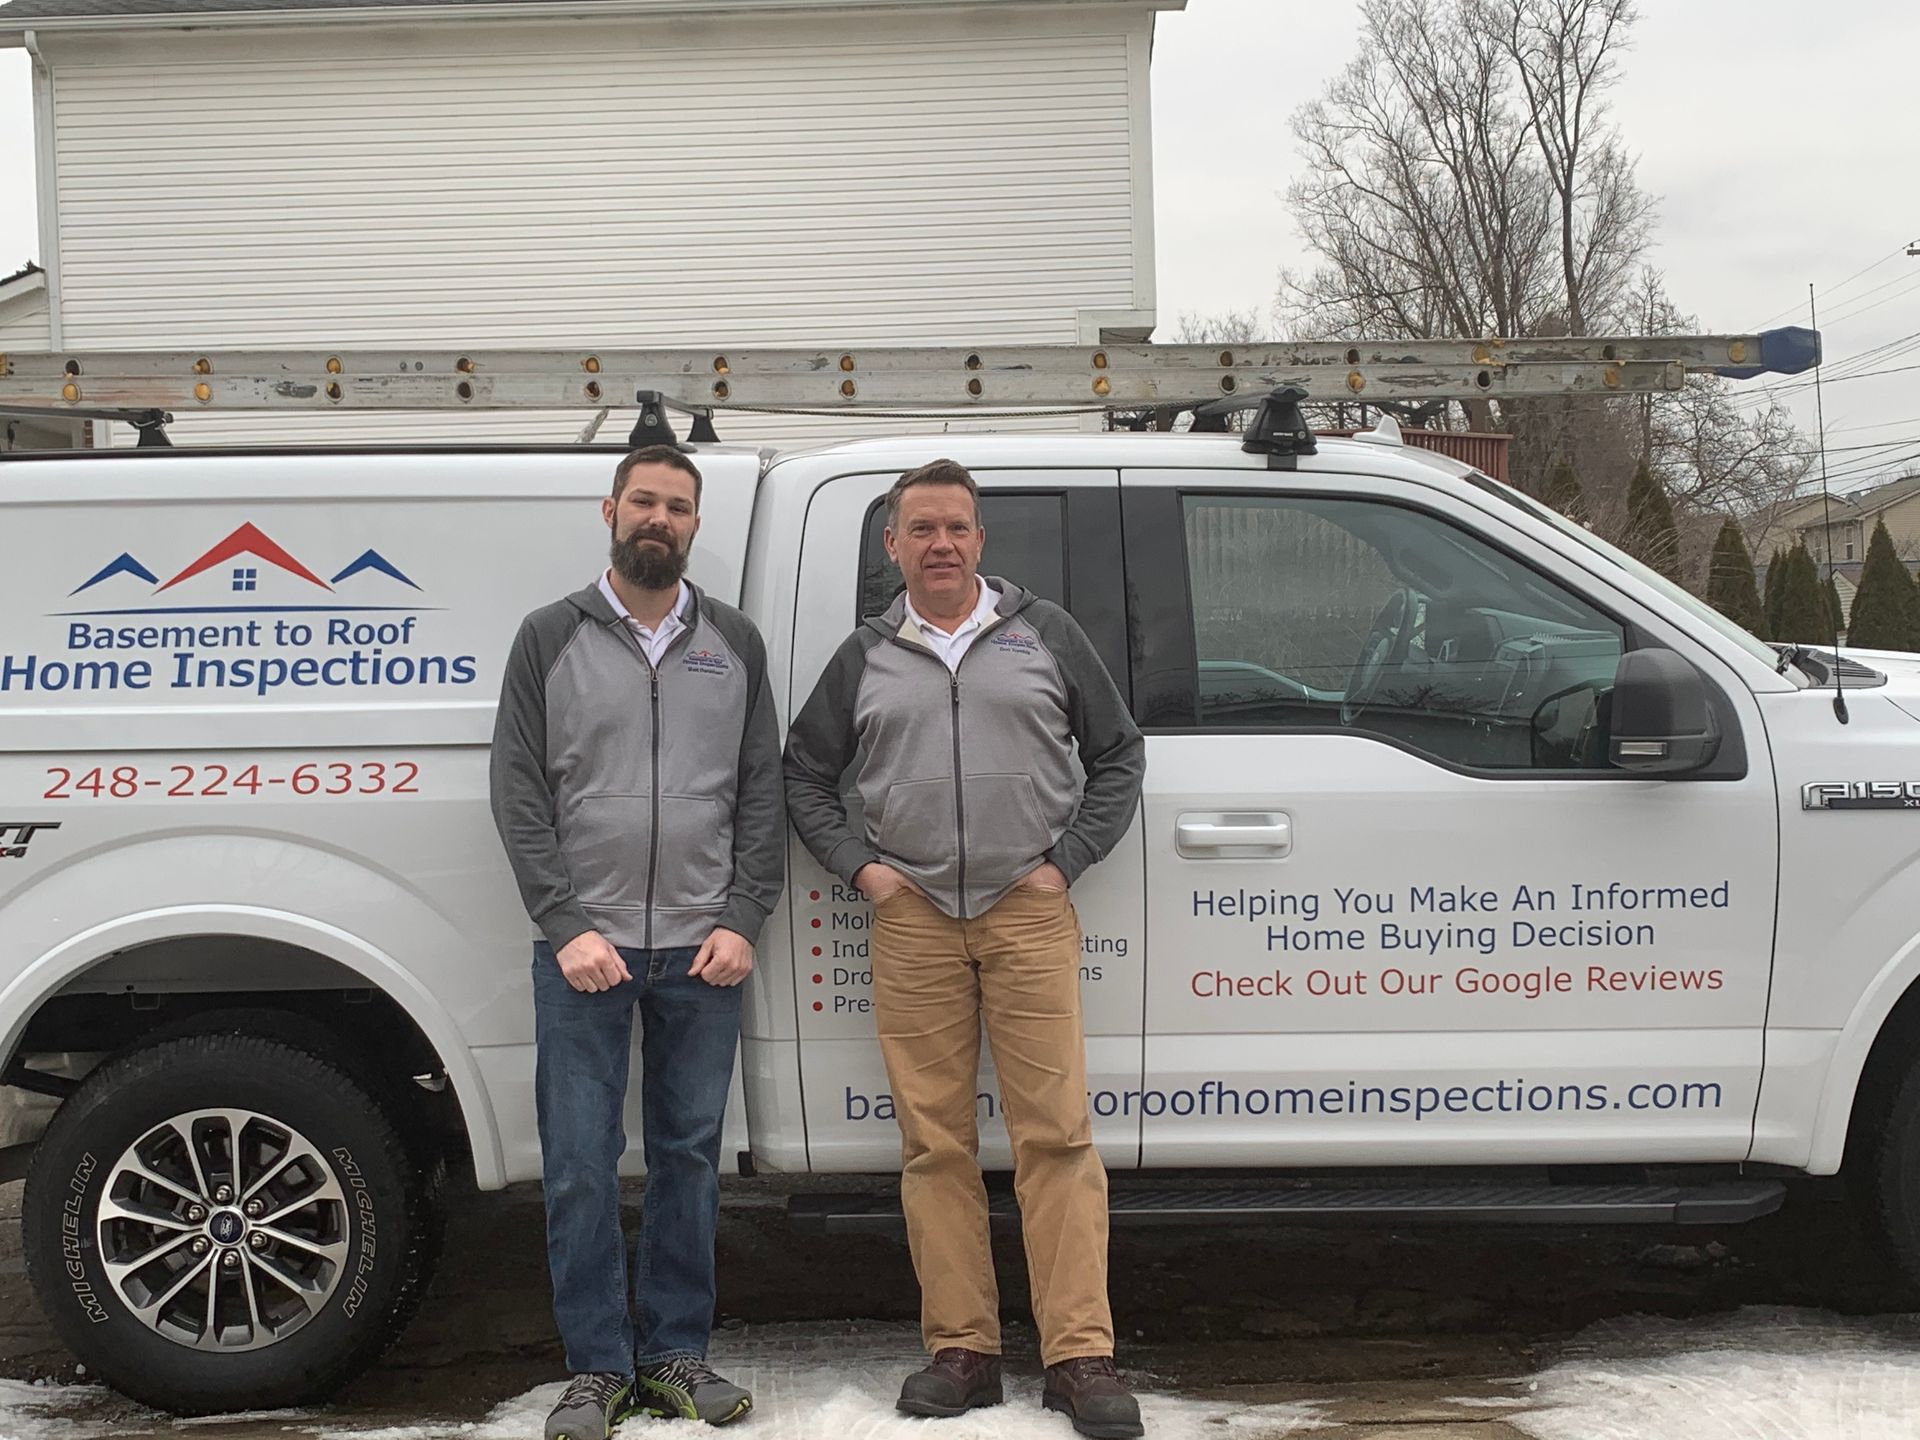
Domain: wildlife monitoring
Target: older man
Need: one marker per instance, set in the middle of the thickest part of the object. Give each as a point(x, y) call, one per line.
point(960, 711)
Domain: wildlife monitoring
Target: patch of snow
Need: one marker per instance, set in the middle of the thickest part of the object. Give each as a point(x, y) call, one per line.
point(1759, 1372)
point(37, 1410)
point(815, 1382)
point(238, 1417)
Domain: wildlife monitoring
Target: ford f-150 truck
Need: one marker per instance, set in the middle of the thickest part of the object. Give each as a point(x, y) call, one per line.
point(1473, 855)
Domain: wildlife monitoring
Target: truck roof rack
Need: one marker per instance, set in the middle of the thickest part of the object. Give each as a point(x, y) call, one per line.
point(934, 381)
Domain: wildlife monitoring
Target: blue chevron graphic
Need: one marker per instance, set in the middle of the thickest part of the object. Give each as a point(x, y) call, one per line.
point(373, 560)
point(125, 565)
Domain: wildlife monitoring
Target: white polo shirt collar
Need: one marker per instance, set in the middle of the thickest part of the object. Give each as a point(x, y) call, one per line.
point(653, 643)
point(950, 647)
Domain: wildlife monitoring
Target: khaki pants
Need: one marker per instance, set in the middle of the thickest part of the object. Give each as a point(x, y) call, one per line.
point(934, 977)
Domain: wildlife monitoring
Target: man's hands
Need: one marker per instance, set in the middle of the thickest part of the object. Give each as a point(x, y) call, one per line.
point(1048, 878)
point(589, 963)
point(881, 882)
point(726, 959)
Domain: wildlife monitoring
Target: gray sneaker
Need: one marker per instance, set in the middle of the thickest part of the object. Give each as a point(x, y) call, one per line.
point(689, 1390)
point(590, 1407)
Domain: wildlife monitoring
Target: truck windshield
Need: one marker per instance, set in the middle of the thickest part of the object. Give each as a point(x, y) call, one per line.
point(1693, 605)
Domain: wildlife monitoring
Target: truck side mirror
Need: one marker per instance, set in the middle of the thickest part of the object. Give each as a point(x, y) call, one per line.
point(1662, 722)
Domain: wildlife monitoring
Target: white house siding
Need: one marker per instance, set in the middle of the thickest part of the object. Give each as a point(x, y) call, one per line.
point(23, 315)
point(967, 178)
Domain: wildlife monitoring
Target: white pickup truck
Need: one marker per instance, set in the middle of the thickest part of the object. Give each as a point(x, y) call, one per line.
point(1461, 855)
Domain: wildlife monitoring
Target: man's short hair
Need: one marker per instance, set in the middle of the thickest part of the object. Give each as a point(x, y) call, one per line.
point(934, 472)
point(656, 455)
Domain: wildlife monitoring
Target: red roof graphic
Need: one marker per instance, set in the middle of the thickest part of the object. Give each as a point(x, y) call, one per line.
point(247, 540)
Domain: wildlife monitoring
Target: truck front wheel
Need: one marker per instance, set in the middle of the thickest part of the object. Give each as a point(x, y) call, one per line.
point(226, 1222)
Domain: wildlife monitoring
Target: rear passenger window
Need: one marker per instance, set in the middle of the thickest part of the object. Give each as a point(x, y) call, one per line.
point(1026, 543)
point(1376, 618)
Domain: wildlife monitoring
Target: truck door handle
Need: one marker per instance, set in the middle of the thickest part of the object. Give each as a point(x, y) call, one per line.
point(1234, 835)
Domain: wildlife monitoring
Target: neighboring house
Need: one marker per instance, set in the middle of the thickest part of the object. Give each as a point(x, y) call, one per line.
point(465, 173)
point(23, 326)
point(1836, 529)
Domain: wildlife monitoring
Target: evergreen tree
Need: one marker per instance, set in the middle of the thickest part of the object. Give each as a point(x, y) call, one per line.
point(1776, 574)
point(1564, 494)
point(1886, 608)
point(1654, 538)
point(1731, 588)
point(1803, 608)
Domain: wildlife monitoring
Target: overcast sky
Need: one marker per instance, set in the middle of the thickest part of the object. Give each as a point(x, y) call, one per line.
point(1782, 138)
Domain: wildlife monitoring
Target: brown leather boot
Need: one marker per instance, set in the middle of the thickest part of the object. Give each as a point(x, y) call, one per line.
point(1089, 1392)
point(957, 1381)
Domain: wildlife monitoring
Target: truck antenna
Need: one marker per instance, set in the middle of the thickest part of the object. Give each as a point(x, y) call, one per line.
point(1826, 521)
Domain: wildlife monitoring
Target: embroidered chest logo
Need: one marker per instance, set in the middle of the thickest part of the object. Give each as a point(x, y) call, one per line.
point(708, 662)
point(1019, 641)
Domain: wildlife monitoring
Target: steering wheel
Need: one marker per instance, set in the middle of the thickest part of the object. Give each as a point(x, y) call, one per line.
point(1387, 640)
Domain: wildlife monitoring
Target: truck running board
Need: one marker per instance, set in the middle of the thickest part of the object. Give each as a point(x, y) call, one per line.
point(1720, 1203)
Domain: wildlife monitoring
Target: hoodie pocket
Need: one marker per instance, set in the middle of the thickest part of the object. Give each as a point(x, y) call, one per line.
point(604, 840)
point(917, 824)
point(1005, 830)
point(696, 853)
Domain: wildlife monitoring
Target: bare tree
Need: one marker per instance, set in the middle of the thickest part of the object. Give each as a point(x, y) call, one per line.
point(1565, 58)
point(1229, 327)
point(1464, 176)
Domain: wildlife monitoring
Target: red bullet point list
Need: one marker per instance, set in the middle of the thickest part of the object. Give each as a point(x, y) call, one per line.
point(818, 1006)
point(816, 950)
point(816, 922)
point(813, 894)
point(819, 979)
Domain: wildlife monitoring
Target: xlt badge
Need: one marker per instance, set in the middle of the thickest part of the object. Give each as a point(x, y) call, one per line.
point(16, 835)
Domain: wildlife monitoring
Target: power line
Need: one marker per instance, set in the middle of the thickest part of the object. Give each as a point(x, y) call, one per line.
point(1880, 445)
point(1854, 314)
point(1842, 379)
point(1794, 309)
point(1876, 425)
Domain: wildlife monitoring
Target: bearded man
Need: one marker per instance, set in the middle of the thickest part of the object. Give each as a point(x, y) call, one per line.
point(637, 789)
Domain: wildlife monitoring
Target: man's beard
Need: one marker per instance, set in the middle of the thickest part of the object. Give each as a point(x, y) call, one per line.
point(649, 567)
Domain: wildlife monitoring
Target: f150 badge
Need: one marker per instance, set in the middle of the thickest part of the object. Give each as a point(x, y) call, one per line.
point(15, 836)
point(1861, 795)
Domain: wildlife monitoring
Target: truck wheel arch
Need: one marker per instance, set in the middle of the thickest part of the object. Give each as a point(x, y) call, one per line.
point(44, 978)
point(1869, 1057)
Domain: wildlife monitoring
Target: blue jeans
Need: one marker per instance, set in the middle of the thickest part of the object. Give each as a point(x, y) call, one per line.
point(689, 1031)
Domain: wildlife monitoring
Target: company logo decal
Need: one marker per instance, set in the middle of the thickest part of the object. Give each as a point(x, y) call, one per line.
point(245, 614)
point(1016, 640)
point(708, 662)
point(246, 557)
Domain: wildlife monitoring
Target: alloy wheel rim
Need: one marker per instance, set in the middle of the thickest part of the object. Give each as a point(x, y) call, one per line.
point(224, 1230)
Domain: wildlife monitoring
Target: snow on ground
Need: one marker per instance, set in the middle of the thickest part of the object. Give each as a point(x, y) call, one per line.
point(1791, 1374)
point(821, 1382)
point(54, 1412)
point(1760, 1374)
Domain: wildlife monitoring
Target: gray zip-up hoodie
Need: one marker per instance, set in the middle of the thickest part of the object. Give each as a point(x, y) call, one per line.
point(966, 780)
point(644, 804)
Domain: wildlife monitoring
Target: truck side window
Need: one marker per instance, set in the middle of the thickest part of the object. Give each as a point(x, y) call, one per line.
point(1026, 543)
point(1377, 618)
